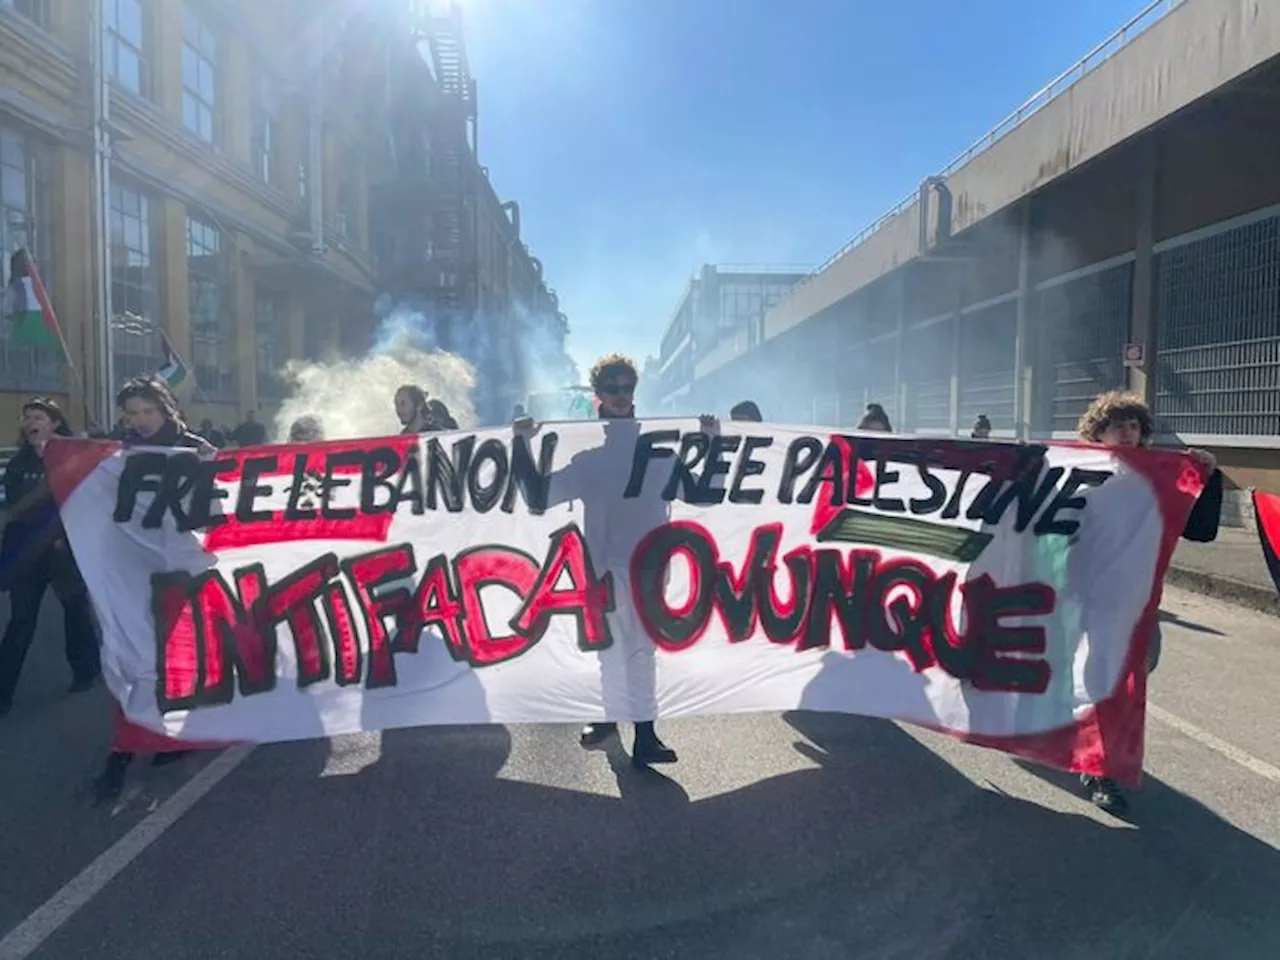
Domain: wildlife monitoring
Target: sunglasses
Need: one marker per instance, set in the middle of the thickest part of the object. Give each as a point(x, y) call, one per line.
point(617, 389)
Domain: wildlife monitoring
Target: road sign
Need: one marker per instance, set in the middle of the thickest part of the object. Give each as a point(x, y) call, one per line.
point(1133, 354)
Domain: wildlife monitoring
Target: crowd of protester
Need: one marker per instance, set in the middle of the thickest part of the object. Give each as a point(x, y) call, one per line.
point(34, 552)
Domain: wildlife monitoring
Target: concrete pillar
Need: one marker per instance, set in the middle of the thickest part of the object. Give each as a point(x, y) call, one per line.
point(1023, 351)
point(957, 324)
point(1143, 318)
point(243, 299)
point(71, 281)
point(361, 212)
point(68, 22)
point(166, 53)
point(237, 94)
point(899, 348)
point(329, 181)
point(294, 321)
point(291, 145)
point(172, 247)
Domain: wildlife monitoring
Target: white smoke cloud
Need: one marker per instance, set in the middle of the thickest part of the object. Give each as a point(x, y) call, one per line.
point(355, 398)
point(541, 344)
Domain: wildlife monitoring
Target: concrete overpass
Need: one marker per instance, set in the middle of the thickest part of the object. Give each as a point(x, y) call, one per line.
point(1133, 201)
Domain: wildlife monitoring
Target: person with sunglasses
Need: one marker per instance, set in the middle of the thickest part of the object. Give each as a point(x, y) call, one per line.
point(613, 530)
point(614, 379)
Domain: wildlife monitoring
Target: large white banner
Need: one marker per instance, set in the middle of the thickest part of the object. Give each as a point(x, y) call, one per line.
point(629, 570)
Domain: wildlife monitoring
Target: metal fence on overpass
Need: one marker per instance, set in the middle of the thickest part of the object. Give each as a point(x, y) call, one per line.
point(1217, 307)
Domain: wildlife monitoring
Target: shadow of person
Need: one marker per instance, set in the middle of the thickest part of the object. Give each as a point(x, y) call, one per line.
point(880, 849)
point(879, 684)
point(647, 786)
point(1193, 625)
point(613, 525)
point(447, 696)
point(592, 485)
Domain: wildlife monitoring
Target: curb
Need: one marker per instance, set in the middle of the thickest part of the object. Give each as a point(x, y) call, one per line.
point(1262, 599)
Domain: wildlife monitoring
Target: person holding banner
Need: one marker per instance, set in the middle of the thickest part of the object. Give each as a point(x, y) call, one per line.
point(152, 418)
point(34, 555)
point(614, 379)
point(1122, 419)
point(613, 529)
point(151, 413)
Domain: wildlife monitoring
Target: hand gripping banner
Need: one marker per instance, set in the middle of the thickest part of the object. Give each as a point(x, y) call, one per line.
point(625, 570)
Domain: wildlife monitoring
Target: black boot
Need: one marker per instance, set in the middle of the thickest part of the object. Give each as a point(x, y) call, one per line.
point(110, 782)
point(81, 684)
point(594, 734)
point(648, 748)
point(168, 757)
point(1105, 794)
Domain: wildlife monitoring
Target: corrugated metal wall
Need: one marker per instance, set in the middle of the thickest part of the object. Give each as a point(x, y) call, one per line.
point(986, 364)
point(1082, 324)
point(927, 362)
point(1218, 299)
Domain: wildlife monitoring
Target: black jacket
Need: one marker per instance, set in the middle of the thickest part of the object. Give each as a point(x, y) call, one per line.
point(170, 435)
point(32, 529)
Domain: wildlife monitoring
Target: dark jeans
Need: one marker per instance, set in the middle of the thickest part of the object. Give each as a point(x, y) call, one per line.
point(55, 568)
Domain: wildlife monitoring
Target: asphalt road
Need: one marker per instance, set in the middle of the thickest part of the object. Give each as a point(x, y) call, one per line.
point(792, 836)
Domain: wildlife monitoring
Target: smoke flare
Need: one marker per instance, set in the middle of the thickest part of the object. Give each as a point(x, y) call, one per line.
point(355, 398)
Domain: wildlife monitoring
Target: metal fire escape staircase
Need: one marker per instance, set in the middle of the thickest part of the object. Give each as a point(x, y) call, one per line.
point(453, 166)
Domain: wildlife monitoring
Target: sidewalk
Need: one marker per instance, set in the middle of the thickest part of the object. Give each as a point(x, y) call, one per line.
point(1230, 568)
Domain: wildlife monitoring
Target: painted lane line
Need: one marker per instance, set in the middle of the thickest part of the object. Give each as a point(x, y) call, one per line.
point(1216, 744)
point(27, 937)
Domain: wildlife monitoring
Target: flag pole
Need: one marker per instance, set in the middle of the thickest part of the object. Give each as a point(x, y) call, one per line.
point(42, 296)
point(169, 348)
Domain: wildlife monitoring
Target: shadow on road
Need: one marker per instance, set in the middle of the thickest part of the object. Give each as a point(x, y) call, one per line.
point(1192, 625)
point(885, 850)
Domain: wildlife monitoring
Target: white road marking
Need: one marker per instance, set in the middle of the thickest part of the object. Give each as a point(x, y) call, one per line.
point(27, 937)
point(1216, 744)
point(46, 920)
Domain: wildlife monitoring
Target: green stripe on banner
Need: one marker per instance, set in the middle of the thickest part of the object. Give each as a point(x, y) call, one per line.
point(905, 533)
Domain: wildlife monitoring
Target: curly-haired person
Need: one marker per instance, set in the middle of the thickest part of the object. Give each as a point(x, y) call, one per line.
point(1122, 419)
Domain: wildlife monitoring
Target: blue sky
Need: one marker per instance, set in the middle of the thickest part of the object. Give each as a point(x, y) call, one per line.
point(643, 138)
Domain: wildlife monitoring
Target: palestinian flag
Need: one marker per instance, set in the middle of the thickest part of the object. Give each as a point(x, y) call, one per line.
point(174, 371)
point(28, 307)
point(580, 403)
point(1266, 508)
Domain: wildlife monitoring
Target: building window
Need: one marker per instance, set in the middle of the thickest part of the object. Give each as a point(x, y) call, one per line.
point(24, 211)
point(208, 309)
point(265, 129)
point(199, 77)
point(124, 43)
point(268, 328)
point(135, 337)
point(36, 11)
